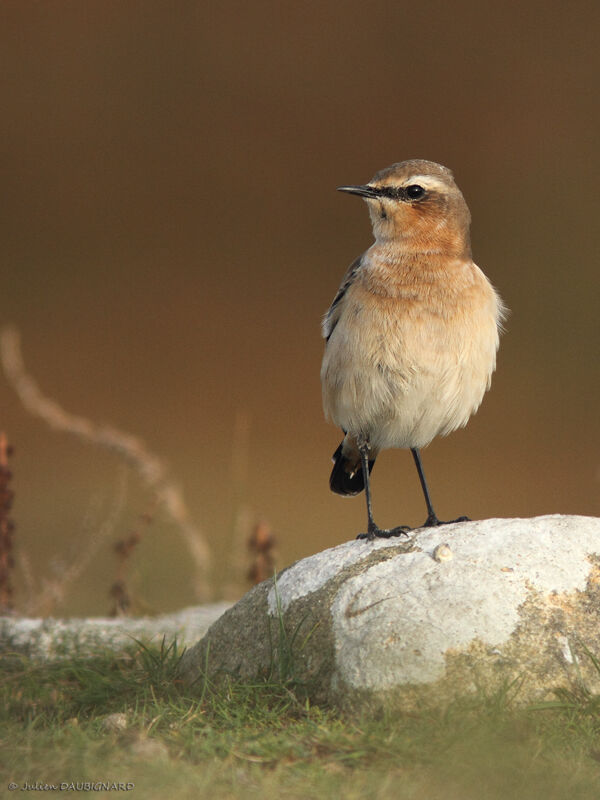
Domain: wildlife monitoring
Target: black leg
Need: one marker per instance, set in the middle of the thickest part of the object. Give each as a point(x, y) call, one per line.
point(432, 520)
point(373, 531)
point(431, 515)
point(364, 458)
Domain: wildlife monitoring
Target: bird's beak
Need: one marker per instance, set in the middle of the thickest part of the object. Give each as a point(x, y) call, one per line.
point(364, 191)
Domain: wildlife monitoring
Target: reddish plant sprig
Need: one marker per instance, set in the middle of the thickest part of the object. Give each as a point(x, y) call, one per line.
point(7, 527)
point(261, 546)
point(124, 550)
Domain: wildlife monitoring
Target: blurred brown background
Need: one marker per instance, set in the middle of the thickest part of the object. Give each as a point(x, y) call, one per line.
point(171, 236)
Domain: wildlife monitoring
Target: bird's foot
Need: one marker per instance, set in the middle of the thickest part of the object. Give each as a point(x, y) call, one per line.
point(384, 533)
point(432, 521)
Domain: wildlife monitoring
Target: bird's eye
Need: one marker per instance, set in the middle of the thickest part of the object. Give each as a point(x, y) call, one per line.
point(415, 192)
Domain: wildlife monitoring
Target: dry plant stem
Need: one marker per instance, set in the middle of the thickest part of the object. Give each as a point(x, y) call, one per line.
point(132, 450)
point(231, 574)
point(54, 590)
point(120, 591)
point(6, 528)
point(261, 548)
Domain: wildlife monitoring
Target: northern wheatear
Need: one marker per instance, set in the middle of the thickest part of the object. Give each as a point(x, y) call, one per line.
point(413, 331)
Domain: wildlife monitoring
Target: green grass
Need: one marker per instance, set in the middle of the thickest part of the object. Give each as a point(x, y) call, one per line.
point(262, 741)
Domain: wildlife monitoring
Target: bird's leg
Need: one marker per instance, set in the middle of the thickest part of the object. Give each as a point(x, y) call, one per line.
point(373, 531)
point(432, 520)
point(431, 515)
point(363, 449)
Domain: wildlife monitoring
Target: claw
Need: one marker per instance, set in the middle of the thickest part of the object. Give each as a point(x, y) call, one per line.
point(384, 533)
point(432, 521)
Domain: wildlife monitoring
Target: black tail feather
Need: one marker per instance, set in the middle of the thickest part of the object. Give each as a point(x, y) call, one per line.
point(347, 476)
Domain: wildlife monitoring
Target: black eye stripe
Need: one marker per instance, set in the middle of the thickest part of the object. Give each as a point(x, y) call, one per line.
point(404, 193)
point(391, 192)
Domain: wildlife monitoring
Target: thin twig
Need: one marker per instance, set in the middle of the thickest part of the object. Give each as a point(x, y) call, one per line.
point(123, 549)
point(55, 589)
point(6, 527)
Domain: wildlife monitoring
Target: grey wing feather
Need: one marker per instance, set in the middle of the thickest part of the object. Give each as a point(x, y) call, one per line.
point(333, 314)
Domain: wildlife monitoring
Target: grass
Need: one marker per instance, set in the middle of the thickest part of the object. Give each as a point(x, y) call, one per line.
point(58, 725)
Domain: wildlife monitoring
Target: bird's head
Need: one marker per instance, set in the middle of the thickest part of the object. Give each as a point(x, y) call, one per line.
point(417, 203)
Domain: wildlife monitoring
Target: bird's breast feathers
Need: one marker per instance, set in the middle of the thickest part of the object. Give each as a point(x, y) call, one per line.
point(432, 343)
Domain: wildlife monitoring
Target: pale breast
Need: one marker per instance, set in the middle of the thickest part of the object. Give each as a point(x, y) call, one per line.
point(404, 369)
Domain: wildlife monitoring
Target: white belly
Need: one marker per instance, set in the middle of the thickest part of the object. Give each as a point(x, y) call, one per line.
point(402, 380)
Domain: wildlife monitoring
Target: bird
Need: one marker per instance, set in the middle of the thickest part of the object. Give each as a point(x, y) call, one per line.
point(412, 334)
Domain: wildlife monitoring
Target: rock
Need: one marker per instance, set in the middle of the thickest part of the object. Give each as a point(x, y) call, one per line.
point(115, 723)
point(51, 639)
point(467, 607)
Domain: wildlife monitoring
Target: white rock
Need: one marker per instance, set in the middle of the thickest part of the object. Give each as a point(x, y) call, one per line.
point(465, 605)
point(437, 607)
point(51, 639)
point(115, 723)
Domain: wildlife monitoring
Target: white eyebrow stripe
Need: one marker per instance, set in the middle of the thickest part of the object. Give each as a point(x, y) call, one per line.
point(427, 182)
